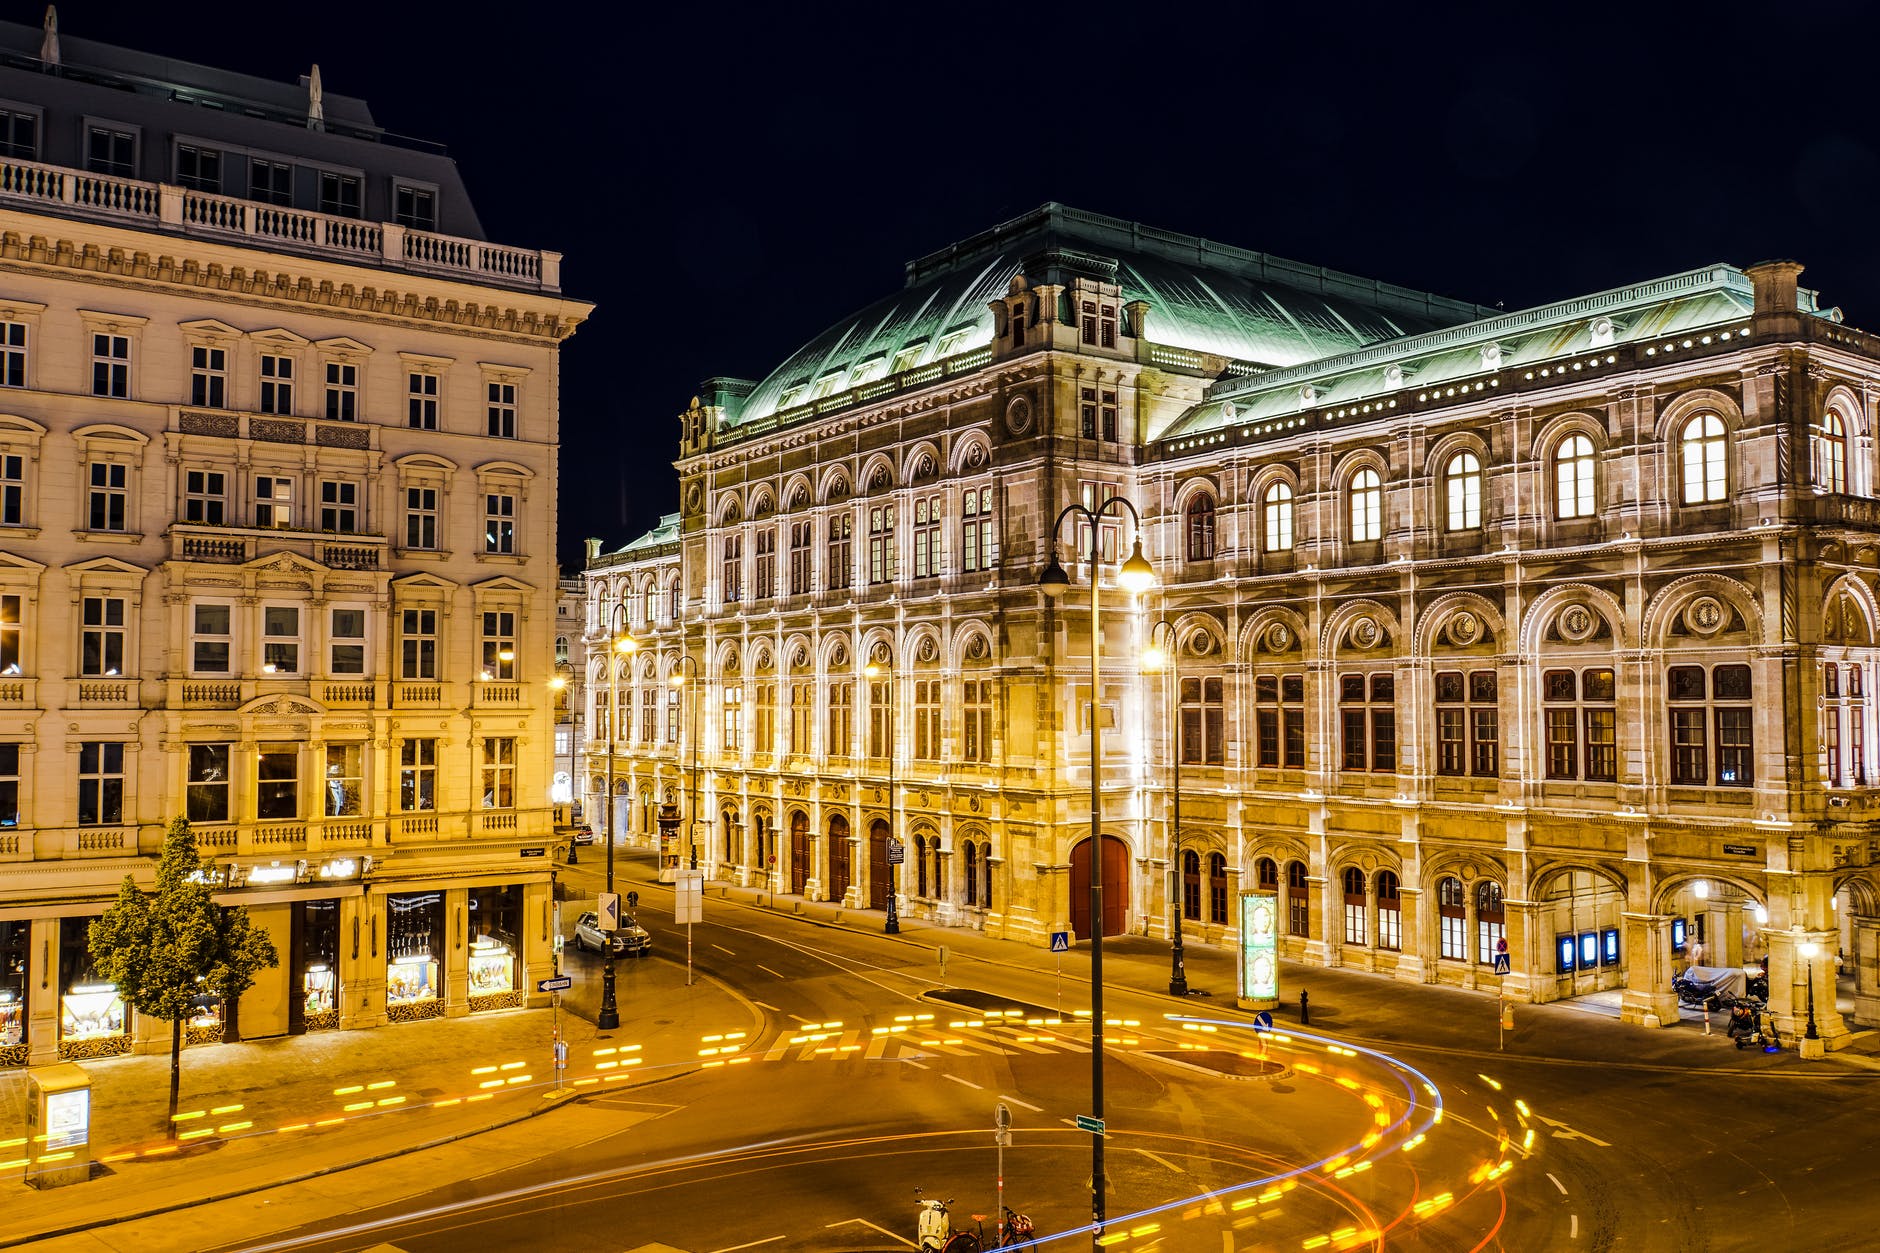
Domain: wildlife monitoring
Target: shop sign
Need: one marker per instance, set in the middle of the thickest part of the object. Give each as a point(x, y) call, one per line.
point(1259, 946)
point(1742, 850)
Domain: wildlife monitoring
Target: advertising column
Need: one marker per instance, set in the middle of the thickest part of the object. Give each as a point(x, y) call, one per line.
point(1258, 982)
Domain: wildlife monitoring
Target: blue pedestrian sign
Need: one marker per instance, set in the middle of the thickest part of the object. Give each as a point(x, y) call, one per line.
point(1502, 966)
point(1060, 941)
point(560, 983)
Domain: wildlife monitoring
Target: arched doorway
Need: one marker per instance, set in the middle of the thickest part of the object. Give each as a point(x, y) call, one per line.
point(799, 852)
point(1115, 887)
point(839, 857)
point(878, 864)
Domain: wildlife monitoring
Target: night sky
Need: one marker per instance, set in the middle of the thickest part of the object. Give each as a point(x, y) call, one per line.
point(726, 182)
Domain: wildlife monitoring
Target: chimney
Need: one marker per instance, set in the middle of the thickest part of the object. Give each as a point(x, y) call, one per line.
point(1775, 287)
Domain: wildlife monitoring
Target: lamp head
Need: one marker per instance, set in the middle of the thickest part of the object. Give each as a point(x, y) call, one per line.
point(676, 678)
point(557, 683)
point(1137, 575)
point(1808, 950)
point(872, 670)
point(624, 643)
point(1701, 889)
point(1155, 657)
point(506, 654)
point(1054, 582)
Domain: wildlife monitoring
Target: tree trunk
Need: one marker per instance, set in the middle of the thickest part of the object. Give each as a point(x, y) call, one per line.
point(176, 1070)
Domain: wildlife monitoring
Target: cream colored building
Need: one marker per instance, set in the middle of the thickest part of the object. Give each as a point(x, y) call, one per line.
point(278, 441)
point(1548, 633)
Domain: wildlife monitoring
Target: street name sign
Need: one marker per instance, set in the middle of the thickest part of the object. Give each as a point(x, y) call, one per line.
point(1086, 1123)
point(560, 983)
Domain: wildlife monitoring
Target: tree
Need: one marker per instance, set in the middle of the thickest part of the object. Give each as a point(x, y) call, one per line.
point(165, 950)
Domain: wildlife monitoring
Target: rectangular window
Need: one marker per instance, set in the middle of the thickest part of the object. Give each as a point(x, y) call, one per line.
point(9, 785)
point(277, 383)
point(12, 354)
point(802, 545)
point(417, 644)
point(733, 569)
point(280, 639)
point(342, 391)
point(979, 542)
point(879, 711)
point(277, 783)
point(672, 715)
point(1106, 417)
point(210, 638)
point(10, 634)
point(839, 571)
point(339, 194)
point(499, 772)
point(502, 411)
point(274, 500)
point(731, 723)
point(109, 150)
point(1203, 721)
point(19, 135)
point(101, 636)
point(926, 537)
point(764, 739)
point(499, 524)
point(649, 713)
point(840, 740)
point(110, 365)
point(1467, 723)
point(766, 562)
point(107, 499)
point(499, 644)
point(421, 392)
point(880, 544)
point(343, 786)
point(927, 746)
point(417, 775)
point(1581, 723)
point(976, 720)
point(1354, 920)
point(339, 507)
point(12, 490)
point(1087, 410)
point(346, 642)
point(208, 377)
point(199, 169)
point(205, 795)
point(1280, 720)
point(270, 182)
point(205, 497)
point(1368, 722)
point(421, 517)
point(802, 713)
point(100, 783)
point(414, 208)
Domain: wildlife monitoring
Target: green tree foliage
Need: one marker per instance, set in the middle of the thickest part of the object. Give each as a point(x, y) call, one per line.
point(168, 948)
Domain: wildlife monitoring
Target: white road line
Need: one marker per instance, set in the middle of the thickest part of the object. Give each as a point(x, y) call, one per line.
point(968, 1082)
point(883, 1230)
point(772, 1008)
point(753, 1244)
point(1557, 1183)
point(1573, 1231)
point(1026, 1104)
point(1163, 1161)
point(721, 948)
point(773, 974)
point(910, 1061)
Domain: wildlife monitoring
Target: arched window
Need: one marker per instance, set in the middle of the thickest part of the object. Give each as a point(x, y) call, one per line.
point(1217, 887)
point(1353, 879)
point(920, 865)
point(1703, 446)
point(1491, 924)
point(1298, 902)
point(1191, 885)
point(972, 873)
point(1831, 453)
point(1462, 488)
point(1201, 528)
point(1573, 478)
point(1389, 912)
point(1278, 536)
point(1367, 507)
point(1266, 874)
point(1453, 915)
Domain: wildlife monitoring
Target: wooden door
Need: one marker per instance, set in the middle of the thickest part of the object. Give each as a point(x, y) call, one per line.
point(1115, 887)
point(839, 857)
point(799, 852)
point(878, 865)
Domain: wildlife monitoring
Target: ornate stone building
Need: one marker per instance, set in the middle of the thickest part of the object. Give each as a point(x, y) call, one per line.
point(1549, 629)
point(278, 438)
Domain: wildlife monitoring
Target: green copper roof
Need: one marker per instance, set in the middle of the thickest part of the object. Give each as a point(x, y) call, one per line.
point(666, 532)
point(1203, 296)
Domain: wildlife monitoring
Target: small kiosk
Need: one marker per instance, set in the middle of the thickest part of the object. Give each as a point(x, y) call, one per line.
point(1258, 954)
point(60, 1126)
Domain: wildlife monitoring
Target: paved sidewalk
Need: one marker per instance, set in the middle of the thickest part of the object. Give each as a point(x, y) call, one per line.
point(305, 1106)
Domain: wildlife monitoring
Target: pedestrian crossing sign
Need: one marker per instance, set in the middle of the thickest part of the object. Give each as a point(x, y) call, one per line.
point(1060, 941)
point(1502, 965)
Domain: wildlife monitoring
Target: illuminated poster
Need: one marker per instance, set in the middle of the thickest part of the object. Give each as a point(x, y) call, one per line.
point(68, 1118)
point(1259, 946)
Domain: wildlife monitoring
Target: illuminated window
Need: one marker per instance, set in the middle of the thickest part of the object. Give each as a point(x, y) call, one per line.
point(1462, 483)
point(1366, 501)
point(1278, 535)
point(1573, 478)
point(1704, 449)
point(1200, 528)
point(1831, 453)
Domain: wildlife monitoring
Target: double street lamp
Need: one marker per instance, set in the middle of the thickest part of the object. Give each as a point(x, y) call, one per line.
point(620, 646)
point(879, 670)
point(1158, 656)
point(1808, 949)
point(678, 679)
point(1135, 576)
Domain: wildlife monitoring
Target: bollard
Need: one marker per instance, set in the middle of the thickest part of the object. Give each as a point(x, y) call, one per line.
point(1305, 1009)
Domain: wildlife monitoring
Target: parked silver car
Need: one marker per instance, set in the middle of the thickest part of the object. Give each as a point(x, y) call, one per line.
point(631, 940)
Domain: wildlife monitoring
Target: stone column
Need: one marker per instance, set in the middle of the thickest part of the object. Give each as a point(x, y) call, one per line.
point(538, 941)
point(1648, 1000)
point(457, 946)
point(362, 960)
point(42, 992)
point(1417, 963)
point(1524, 964)
point(1321, 948)
point(1789, 977)
point(1866, 951)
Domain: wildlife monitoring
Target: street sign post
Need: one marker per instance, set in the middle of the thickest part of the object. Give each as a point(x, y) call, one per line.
point(1001, 1136)
point(688, 906)
point(560, 983)
point(1060, 945)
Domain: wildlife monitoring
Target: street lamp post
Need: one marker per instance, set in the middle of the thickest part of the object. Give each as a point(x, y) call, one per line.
point(1159, 656)
point(1136, 575)
point(619, 645)
point(1808, 950)
point(875, 670)
point(564, 673)
point(678, 680)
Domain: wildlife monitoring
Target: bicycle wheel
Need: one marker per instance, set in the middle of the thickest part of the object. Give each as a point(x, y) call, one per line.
point(962, 1242)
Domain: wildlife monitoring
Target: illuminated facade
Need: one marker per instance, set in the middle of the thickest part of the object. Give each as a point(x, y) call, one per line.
point(277, 459)
point(1549, 629)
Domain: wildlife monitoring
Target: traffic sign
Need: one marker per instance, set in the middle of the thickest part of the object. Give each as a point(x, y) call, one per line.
point(608, 907)
point(1086, 1123)
point(1060, 941)
point(560, 983)
point(1263, 1021)
point(897, 853)
point(1502, 965)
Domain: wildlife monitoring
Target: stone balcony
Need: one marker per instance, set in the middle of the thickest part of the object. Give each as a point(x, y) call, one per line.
point(132, 202)
point(229, 545)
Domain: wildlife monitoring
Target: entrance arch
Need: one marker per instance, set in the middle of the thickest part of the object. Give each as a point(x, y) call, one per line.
point(1115, 887)
point(840, 856)
point(878, 864)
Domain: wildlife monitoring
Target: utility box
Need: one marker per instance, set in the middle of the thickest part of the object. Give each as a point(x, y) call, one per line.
point(59, 1126)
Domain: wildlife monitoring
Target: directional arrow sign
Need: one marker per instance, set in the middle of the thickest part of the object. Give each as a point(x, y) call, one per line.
point(560, 983)
point(1086, 1123)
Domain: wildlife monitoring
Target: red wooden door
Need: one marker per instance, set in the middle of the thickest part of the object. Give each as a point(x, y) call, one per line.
point(839, 857)
point(1115, 887)
point(799, 852)
point(878, 865)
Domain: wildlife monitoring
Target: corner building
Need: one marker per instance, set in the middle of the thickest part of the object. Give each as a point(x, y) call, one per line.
point(277, 512)
point(1551, 629)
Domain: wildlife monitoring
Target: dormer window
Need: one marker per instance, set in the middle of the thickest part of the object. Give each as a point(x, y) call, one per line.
point(1098, 323)
point(950, 344)
point(790, 395)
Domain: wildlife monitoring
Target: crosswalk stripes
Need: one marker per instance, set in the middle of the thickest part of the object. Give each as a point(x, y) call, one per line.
point(857, 1044)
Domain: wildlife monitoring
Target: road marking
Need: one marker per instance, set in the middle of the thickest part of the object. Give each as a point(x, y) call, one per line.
point(1573, 1231)
point(883, 1230)
point(968, 1082)
point(1162, 1161)
point(721, 948)
point(1567, 1133)
point(910, 1061)
point(773, 974)
point(1027, 1104)
point(772, 1008)
point(733, 1248)
point(1556, 1183)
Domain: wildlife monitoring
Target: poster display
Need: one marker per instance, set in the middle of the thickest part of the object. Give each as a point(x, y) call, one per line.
point(1259, 947)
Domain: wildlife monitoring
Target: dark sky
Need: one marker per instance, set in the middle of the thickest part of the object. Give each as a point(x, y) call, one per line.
point(727, 181)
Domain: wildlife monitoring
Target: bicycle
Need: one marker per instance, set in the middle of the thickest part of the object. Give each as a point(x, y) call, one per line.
point(938, 1235)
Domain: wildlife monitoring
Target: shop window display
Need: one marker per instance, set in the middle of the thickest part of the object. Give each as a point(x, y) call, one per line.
point(413, 974)
point(320, 997)
point(92, 1018)
point(496, 949)
point(206, 1024)
point(14, 959)
point(316, 966)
